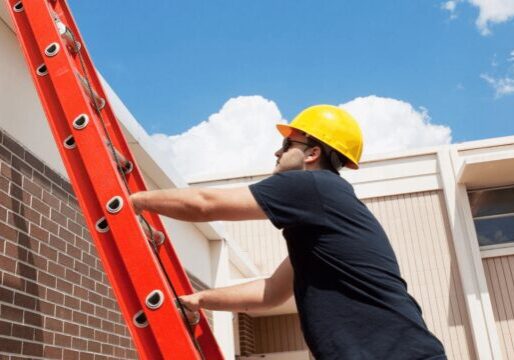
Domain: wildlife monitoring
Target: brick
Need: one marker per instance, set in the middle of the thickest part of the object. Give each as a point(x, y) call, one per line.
point(22, 332)
point(27, 242)
point(74, 227)
point(5, 154)
point(47, 252)
point(38, 261)
point(12, 145)
point(86, 332)
point(65, 260)
point(95, 298)
point(87, 307)
point(53, 324)
point(38, 233)
point(3, 214)
point(40, 207)
point(54, 296)
point(70, 354)
point(52, 352)
point(19, 194)
point(72, 276)
point(52, 175)
point(49, 225)
point(32, 188)
point(20, 165)
point(7, 264)
point(68, 211)
point(5, 328)
point(6, 295)
point(58, 217)
point(66, 235)
point(9, 202)
point(26, 271)
point(35, 289)
point(64, 286)
point(34, 161)
point(47, 308)
point(108, 326)
point(33, 349)
point(59, 244)
point(32, 318)
point(71, 302)
point(30, 214)
point(94, 346)
point(41, 180)
point(18, 221)
point(8, 232)
point(80, 292)
point(89, 259)
point(79, 317)
point(56, 269)
point(81, 268)
point(51, 200)
point(24, 301)
point(11, 313)
point(11, 174)
point(73, 251)
point(13, 282)
point(44, 336)
point(94, 322)
point(88, 283)
point(4, 184)
point(86, 356)
point(101, 289)
point(59, 193)
point(63, 313)
point(101, 336)
point(62, 340)
point(107, 349)
point(11, 346)
point(96, 275)
point(71, 329)
point(82, 244)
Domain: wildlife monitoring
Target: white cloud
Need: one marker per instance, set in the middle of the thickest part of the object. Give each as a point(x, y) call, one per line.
point(392, 125)
point(502, 86)
point(490, 12)
point(450, 6)
point(241, 138)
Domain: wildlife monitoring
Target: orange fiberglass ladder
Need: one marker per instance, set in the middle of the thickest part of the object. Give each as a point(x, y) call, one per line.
point(136, 252)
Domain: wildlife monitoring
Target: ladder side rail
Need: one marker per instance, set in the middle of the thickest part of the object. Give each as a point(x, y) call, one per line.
point(108, 179)
point(167, 253)
point(136, 180)
point(91, 208)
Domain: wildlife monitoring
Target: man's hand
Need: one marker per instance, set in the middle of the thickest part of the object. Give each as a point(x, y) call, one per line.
point(191, 304)
point(135, 200)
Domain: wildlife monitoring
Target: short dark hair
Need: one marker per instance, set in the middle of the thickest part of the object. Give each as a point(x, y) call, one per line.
point(330, 159)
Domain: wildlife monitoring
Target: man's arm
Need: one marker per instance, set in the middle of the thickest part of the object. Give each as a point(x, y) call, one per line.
point(260, 294)
point(200, 204)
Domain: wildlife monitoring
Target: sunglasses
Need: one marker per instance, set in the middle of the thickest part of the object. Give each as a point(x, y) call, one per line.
point(287, 143)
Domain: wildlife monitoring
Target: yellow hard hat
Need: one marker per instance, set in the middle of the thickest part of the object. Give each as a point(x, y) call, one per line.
point(332, 126)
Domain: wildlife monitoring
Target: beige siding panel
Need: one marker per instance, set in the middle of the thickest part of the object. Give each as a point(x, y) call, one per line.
point(499, 273)
point(419, 232)
point(261, 240)
point(278, 334)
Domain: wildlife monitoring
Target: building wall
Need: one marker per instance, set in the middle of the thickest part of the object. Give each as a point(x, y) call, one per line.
point(55, 300)
point(499, 272)
point(418, 229)
point(278, 333)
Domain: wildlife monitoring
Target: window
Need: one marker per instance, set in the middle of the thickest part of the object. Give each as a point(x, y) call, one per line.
point(493, 214)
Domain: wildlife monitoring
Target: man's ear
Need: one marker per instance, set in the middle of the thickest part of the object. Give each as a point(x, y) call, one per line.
point(313, 154)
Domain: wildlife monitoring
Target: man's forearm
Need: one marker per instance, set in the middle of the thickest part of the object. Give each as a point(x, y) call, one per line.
point(251, 296)
point(181, 204)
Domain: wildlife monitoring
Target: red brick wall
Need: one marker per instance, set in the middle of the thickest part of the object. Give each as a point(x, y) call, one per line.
point(55, 301)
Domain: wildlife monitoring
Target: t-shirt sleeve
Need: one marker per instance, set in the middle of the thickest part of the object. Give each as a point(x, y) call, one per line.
point(289, 199)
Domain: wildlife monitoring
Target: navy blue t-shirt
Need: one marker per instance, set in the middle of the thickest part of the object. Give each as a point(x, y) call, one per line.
point(352, 302)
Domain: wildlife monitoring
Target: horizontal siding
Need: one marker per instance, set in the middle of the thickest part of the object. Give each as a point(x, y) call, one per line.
point(278, 333)
point(499, 273)
point(419, 232)
point(262, 242)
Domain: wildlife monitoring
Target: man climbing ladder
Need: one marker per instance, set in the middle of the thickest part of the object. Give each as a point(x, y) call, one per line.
point(352, 302)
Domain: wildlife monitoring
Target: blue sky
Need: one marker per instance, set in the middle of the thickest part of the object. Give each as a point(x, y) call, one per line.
point(175, 63)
